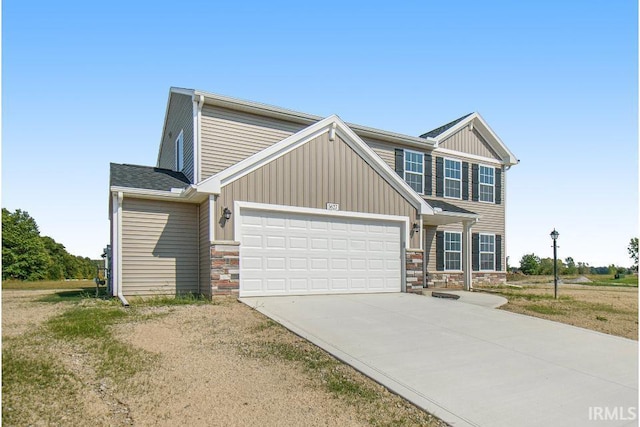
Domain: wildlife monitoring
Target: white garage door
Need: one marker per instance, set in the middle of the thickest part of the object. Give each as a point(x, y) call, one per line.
point(295, 254)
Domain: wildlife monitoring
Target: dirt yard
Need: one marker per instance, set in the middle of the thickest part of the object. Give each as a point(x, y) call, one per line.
point(219, 364)
point(609, 309)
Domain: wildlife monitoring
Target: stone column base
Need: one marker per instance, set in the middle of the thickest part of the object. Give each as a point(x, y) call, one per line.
point(414, 271)
point(225, 268)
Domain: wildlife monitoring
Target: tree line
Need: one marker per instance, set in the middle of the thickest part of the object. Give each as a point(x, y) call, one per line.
point(532, 264)
point(26, 255)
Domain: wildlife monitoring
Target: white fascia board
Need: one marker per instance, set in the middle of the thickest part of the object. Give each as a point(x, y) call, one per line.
point(487, 133)
point(142, 193)
point(240, 205)
point(213, 184)
point(380, 166)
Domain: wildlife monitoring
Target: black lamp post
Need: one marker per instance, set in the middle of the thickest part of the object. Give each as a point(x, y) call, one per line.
point(554, 235)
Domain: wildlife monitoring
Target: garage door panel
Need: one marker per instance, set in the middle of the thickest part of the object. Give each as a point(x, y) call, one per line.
point(284, 253)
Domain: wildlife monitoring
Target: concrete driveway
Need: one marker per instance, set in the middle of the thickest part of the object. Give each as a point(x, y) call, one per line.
point(472, 365)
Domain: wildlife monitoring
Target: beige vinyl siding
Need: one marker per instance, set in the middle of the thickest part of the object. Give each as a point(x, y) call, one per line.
point(179, 118)
point(492, 220)
point(384, 150)
point(318, 172)
point(231, 136)
point(159, 247)
point(205, 250)
point(470, 142)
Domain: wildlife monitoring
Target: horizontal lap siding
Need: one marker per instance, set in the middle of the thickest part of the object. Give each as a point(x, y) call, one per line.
point(205, 245)
point(492, 221)
point(469, 142)
point(231, 136)
point(179, 117)
point(318, 172)
point(159, 247)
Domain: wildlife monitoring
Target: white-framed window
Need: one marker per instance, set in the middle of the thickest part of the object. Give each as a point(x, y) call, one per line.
point(487, 252)
point(452, 250)
point(453, 178)
point(414, 170)
point(180, 152)
point(487, 185)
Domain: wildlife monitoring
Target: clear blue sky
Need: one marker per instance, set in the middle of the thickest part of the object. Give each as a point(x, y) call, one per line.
point(86, 83)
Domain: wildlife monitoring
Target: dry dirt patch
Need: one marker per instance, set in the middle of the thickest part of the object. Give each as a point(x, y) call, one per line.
point(219, 364)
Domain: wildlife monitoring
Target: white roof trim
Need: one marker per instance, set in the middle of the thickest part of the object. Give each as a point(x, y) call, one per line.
point(176, 194)
point(308, 119)
point(256, 161)
point(487, 133)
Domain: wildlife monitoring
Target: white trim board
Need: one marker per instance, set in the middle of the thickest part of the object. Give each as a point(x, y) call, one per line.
point(214, 184)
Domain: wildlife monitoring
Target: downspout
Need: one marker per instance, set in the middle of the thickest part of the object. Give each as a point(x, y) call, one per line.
point(119, 252)
point(198, 102)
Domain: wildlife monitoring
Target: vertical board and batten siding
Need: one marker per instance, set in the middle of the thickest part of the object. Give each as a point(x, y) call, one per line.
point(159, 247)
point(231, 136)
point(179, 118)
point(470, 142)
point(318, 172)
point(205, 246)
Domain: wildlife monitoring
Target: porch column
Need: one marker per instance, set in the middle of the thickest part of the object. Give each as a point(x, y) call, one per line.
point(466, 255)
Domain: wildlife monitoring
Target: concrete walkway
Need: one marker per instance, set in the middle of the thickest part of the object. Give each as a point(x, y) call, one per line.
point(471, 365)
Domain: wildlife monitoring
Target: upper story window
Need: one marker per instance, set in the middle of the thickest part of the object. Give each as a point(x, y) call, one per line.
point(452, 250)
point(414, 170)
point(487, 252)
point(180, 152)
point(487, 183)
point(452, 178)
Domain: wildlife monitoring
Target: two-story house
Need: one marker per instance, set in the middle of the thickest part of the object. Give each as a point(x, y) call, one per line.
point(253, 199)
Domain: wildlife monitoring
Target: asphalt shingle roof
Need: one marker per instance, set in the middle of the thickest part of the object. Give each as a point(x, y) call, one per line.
point(447, 207)
point(146, 177)
point(444, 128)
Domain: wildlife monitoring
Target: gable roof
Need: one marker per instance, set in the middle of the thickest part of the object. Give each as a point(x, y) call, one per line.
point(146, 177)
point(437, 131)
point(332, 124)
point(447, 207)
point(477, 123)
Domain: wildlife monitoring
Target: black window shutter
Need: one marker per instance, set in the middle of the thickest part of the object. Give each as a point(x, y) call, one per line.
point(439, 177)
point(498, 178)
point(400, 162)
point(498, 252)
point(428, 175)
point(475, 182)
point(465, 180)
point(475, 251)
point(440, 250)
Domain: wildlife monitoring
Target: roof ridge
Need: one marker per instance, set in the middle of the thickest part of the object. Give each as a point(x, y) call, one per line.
point(439, 130)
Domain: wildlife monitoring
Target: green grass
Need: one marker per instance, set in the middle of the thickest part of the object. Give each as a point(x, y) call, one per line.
point(544, 309)
point(166, 300)
point(629, 281)
point(519, 294)
point(86, 322)
point(47, 284)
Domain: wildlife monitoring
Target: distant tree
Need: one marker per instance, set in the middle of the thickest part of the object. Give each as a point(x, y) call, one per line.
point(529, 264)
point(28, 256)
point(570, 266)
point(583, 268)
point(612, 269)
point(24, 256)
point(633, 251)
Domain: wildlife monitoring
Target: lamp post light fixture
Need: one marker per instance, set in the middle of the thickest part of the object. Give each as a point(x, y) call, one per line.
point(554, 235)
